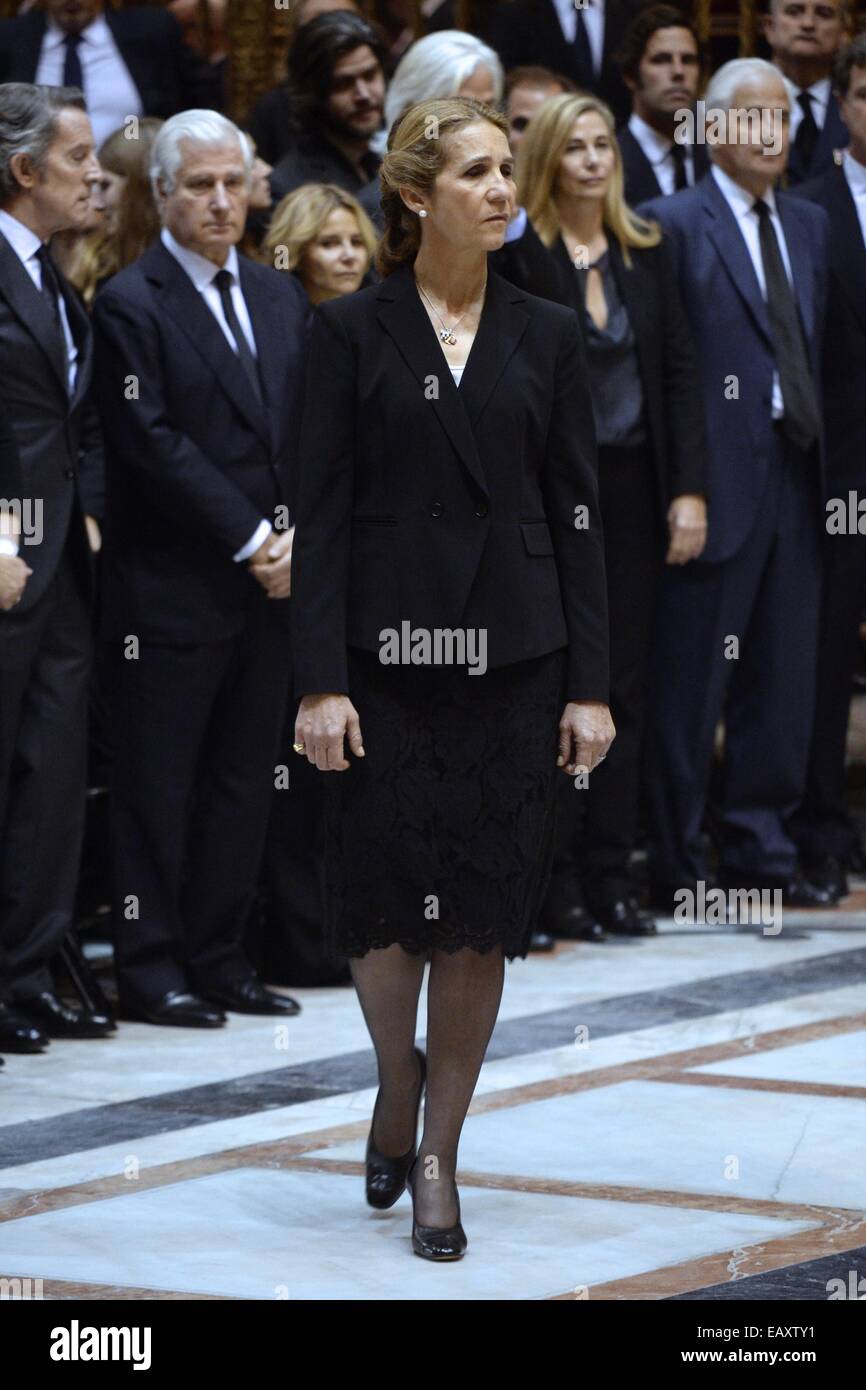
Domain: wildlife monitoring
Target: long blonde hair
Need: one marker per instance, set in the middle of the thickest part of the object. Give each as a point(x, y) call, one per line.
point(417, 152)
point(538, 161)
point(302, 214)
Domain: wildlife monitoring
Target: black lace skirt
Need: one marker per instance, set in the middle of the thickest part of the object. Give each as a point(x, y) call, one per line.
point(442, 835)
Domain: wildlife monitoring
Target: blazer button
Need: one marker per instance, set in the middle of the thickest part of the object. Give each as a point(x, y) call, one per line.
point(482, 509)
point(436, 509)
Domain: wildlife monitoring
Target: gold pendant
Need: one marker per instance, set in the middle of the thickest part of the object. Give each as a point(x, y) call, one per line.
point(448, 337)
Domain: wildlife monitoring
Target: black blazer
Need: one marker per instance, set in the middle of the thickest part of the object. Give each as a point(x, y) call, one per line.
point(54, 433)
point(833, 135)
point(11, 477)
point(313, 159)
point(844, 354)
point(442, 506)
point(640, 182)
point(194, 462)
point(528, 31)
point(169, 75)
point(666, 362)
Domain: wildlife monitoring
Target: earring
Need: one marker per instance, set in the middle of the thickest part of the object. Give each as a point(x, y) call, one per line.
point(423, 212)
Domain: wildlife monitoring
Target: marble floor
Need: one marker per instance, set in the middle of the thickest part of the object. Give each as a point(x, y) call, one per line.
point(673, 1118)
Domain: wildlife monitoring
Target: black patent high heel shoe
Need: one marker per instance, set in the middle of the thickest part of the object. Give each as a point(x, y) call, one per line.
point(436, 1242)
point(386, 1177)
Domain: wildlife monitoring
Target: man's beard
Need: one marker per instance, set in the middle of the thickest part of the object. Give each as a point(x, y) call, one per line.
point(344, 130)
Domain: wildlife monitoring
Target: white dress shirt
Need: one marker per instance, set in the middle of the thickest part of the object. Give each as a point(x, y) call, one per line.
point(855, 174)
point(820, 93)
point(658, 150)
point(742, 205)
point(202, 273)
point(109, 91)
point(593, 18)
point(25, 244)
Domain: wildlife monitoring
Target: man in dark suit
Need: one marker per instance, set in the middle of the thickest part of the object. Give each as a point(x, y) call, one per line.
point(661, 66)
point(737, 628)
point(200, 357)
point(580, 41)
point(829, 842)
point(48, 168)
point(804, 38)
point(130, 62)
point(337, 91)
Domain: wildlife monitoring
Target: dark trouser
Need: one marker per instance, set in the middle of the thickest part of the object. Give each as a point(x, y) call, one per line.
point(44, 672)
point(597, 825)
point(195, 732)
point(822, 825)
point(740, 639)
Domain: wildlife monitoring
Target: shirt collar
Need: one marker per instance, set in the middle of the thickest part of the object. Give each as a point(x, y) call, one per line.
point(740, 200)
point(94, 32)
point(23, 241)
point(819, 91)
point(199, 269)
point(656, 147)
point(855, 173)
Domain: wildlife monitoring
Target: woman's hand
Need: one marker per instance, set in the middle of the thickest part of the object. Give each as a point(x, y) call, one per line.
point(585, 734)
point(323, 722)
point(687, 527)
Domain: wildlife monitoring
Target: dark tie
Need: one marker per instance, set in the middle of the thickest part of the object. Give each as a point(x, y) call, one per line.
point(223, 281)
point(50, 285)
point(807, 131)
point(678, 155)
point(800, 421)
point(72, 74)
point(583, 53)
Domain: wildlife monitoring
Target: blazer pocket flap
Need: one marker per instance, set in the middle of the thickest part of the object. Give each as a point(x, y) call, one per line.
point(537, 537)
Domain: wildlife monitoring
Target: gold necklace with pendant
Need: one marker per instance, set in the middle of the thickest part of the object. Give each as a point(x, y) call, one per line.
point(446, 334)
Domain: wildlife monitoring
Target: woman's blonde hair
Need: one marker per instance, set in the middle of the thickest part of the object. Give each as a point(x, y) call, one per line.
point(300, 217)
point(538, 161)
point(97, 257)
point(417, 153)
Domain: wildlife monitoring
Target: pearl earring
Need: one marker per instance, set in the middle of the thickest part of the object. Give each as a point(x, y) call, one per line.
point(423, 212)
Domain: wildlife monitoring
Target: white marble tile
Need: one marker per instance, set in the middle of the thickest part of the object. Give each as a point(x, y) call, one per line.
point(783, 1148)
point(270, 1235)
point(839, 1060)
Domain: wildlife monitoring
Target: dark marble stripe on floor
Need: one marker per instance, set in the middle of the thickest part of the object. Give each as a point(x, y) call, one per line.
point(842, 1275)
point(126, 1121)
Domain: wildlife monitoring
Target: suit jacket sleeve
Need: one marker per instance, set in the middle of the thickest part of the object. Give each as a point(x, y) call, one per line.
point(323, 514)
point(570, 486)
point(11, 476)
point(144, 439)
point(682, 388)
point(91, 463)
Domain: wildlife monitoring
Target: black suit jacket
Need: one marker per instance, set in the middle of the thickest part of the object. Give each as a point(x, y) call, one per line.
point(11, 477)
point(194, 461)
point(169, 76)
point(640, 182)
point(54, 433)
point(528, 31)
point(833, 135)
point(313, 159)
point(844, 353)
point(448, 507)
point(666, 361)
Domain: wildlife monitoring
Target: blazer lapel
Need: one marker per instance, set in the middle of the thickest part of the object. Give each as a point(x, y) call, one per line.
point(186, 307)
point(801, 262)
point(34, 312)
point(403, 316)
point(636, 304)
point(847, 247)
point(265, 330)
point(80, 326)
point(733, 252)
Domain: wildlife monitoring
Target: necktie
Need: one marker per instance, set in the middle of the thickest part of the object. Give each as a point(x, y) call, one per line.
point(807, 131)
point(678, 155)
point(800, 421)
point(50, 285)
point(582, 52)
point(72, 74)
point(223, 281)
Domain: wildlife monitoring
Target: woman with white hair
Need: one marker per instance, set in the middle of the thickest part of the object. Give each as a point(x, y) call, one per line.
point(447, 64)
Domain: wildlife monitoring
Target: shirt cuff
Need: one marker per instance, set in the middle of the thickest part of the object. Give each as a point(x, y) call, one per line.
point(259, 536)
point(8, 546)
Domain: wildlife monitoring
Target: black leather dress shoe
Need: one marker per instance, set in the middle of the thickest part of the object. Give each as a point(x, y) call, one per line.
point(176, 1009)
point(800, 892)
point(434, 1242)
point(622, 917)
point(384, 1177)
point(542, 941)
point(19, 1034)
point(251, 997)
point(828, 873)
point(574, 923)
point(666, 898)
point(58, 1020)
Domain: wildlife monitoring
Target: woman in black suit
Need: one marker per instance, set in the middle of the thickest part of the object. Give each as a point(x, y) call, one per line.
point(616, 274)
point(449, 626)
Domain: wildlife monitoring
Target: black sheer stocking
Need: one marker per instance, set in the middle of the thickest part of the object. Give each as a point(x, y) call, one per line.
point(388, 982)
